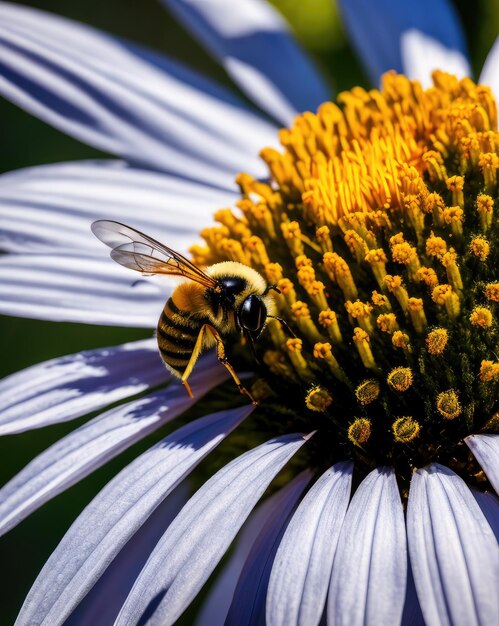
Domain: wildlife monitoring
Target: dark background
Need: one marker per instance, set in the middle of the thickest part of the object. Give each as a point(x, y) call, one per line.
point(25, 141)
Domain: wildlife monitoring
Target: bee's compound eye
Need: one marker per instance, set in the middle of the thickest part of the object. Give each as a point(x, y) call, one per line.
point(253, 313)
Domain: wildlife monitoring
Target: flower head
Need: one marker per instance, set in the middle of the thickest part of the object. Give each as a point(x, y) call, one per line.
point(374, 220)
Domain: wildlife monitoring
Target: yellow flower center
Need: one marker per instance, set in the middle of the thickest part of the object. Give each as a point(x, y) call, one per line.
point(377, 225)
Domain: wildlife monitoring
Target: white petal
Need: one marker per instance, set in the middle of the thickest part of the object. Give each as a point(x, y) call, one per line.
point(103, 602)
point(93, 444)
point(216, 606)
point(485, 449)
point(126, 101)
point(67, 387)
point(422, 54)
point(379, 28)
point(369, 577)
point(248, 604)
point(201, 533)
point(252, 42)
point(116, 513)
point(52, 206)
point(79, 287)
point(453, 551)
point(489, 504)
point(302, 567)
point(490, 70)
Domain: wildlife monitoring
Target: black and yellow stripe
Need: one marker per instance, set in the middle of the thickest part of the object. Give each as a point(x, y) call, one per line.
point(177, 333)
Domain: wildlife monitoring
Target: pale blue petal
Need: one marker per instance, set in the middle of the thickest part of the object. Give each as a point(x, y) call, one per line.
point(253, 43)
point(369, 577)
point(378, 27)
point(454, 553)
point(103, 602)
point(197, 539)
point(302, 567)
point(489, 504)
point(51, 207)
point(81, 286)
point(67, 387)
point(116, 513)
point(490, 70)
point(123, 100)
point(85, 449)
point(248, 604)
point(485, 449)
point(216, 606)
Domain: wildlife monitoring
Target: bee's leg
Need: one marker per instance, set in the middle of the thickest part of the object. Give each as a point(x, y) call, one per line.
point(194, 357)
point(188, 388)
point(223, 359)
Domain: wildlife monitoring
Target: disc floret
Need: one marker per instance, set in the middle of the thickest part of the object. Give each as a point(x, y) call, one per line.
point(377, 226)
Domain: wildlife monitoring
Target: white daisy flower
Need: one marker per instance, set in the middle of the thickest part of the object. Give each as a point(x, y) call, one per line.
point(373, 217)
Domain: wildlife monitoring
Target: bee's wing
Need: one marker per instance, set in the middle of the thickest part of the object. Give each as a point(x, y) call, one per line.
point(139, 252)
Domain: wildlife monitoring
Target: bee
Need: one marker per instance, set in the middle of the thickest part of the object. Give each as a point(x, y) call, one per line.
point(226, 299)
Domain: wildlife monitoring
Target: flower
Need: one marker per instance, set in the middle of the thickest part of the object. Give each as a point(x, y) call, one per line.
point(366, 220)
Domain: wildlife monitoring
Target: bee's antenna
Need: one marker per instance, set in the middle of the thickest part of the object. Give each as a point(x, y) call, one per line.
point(271, 288)
point(284, 323)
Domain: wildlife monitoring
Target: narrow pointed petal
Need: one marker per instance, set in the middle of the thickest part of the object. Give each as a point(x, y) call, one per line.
point(126, 101)
point(68, 387)
point(485, 449)
point(378, 29)
point(201, 533)
point(369, 578)
point(51, 207)
point(252, 42)
point(102, 604)
point(453, 551)
point(96, 442)
point(489, 504)
point(216, 606)
point(302, 567)
point(79, 287)
point(116, 513)
point(490, 70)
point(248, 604)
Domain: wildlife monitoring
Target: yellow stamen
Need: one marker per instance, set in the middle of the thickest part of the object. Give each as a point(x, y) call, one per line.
point(400, 340)
point(481, 316)
point(417, 314)
point(405, 429)
point(480, 247)
point(492, 292)
point(377, 260)
point(436, 341)
point(453, 274)
point(448, 404)
point(445, 296)
point(400, 378)
point(456, 185)
point(318, 399)
point(368, 391)
point(489, 371)
point(387, 323)
point(359, 431)
point(322, 351)
point(361, 339)
point(485, 208)
point(329, 320)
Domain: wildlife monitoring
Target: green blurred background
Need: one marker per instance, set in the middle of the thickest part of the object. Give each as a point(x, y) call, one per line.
point(27, 141)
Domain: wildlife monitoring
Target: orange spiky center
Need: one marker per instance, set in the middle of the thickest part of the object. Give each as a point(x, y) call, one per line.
point(377, 225)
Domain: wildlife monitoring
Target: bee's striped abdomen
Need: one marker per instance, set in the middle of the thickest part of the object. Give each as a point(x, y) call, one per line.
point(177, 333)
